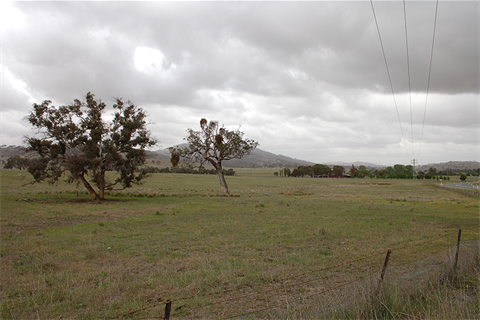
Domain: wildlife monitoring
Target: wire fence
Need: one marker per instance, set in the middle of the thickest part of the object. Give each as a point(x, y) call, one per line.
point(321, 291)
point(471, 192)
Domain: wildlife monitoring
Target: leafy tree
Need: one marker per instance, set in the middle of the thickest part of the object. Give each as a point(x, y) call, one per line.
point(18, 162)
point(432, 171)
point(296, 173)
point(229, 172)
point(338, 170)
point(389, 171)
point(463, 177)
point(363, 170)
point(76, 139)
point(213, 144)
point(321, 169)
point(409, 170)
point(305, 171)
point(354, 171)
point(399, 169)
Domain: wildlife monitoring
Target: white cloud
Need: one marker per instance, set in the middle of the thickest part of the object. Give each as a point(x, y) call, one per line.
point(152, 62)
point(11, 18)
point(18, 84)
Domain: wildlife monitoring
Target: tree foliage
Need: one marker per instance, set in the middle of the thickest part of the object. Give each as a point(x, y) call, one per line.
point(18, 162)
point(213, 143)
point(338, 171)
point(322, 170)
point(354, 171)
point(76, 139)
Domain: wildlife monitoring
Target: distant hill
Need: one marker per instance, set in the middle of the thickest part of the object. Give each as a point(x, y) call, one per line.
point(11, 151)
point(453, 165)
point(357, 164)
point(258, 158)
point(261, 158)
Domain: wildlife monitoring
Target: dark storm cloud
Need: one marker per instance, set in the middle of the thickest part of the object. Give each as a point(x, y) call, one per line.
point(304, 72)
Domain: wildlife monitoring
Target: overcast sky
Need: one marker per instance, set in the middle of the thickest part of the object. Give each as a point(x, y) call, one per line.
point(305, 79)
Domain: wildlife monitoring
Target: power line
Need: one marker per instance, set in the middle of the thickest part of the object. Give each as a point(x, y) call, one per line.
point(389, 77)
point(429, 74)
point(409, 77)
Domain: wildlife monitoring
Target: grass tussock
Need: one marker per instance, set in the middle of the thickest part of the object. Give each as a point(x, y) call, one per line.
point(436, 291)
point(441, 294)
point(433, 291)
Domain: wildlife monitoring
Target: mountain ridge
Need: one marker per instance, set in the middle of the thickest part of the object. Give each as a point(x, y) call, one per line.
point(262, 158)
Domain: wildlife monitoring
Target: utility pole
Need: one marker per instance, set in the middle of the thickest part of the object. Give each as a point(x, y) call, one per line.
point(414, 162)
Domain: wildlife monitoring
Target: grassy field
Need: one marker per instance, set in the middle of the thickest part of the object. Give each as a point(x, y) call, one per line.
point(275, 248)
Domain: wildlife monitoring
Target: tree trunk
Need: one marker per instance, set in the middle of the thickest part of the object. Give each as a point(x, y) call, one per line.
point(101, 187)
point(89, 188)
point(221, 177)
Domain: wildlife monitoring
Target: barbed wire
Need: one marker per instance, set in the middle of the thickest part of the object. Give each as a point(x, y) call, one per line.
point(416, 274)
point(333, 288)
point(420, 243)
point(281, 280)
point(283, 284)
point(345, 302)
point(135, 311)
point(300, 299)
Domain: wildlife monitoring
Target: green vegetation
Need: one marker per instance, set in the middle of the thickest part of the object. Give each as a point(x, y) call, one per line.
point(213, 144)
point(75, 139)
point(271, 241)
point(17, 162)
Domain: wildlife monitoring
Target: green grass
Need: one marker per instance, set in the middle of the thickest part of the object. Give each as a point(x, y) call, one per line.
point(272, 241)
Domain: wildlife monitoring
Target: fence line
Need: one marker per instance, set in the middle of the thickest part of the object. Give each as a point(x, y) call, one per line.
point(416, 274)
point(280, 288)
point(300, 299)
point(282, 280)
point(318, 270)
point(283, 283)
point(464, 191)
point(294, 284)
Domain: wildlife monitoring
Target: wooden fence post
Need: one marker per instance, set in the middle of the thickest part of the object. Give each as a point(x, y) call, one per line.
point(458, 248)
point(168, 308)
point(383, 270)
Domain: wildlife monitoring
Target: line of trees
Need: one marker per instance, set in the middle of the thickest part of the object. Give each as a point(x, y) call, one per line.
point(398, 171)
point(285, 172)
point(18, 162)
point(317, 170)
